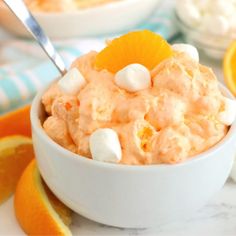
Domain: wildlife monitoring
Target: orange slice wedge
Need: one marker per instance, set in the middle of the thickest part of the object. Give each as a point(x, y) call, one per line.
point(16, 152)
point(37, 210)
point(16, 122)
point(229, 67)
point(143, 47)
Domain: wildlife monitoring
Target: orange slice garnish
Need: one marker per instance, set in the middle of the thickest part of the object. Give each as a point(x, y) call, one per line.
point(16, 152)
point(16, 122)
point(229, 67)
point(37, 210)
point(143, 47)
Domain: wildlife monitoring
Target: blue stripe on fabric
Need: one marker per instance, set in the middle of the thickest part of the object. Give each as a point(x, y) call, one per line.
point(3, 73)
point(11, 90)
point(28, 83)
point(23, 65)
point(46, 72)
point(146, 26)
point(73, 51)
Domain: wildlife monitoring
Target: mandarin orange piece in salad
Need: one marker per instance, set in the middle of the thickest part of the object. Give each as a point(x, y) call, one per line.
point(143, 47)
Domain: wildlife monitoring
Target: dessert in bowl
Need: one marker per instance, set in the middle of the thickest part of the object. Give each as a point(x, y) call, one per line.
point(137, 135)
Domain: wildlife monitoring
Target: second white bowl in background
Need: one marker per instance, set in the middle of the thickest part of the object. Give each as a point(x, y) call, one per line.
point(104, 19)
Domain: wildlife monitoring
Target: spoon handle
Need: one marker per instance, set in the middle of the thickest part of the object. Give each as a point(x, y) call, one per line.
point(19, 8)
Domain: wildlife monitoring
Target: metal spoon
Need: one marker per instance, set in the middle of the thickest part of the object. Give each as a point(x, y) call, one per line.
point(19, 8)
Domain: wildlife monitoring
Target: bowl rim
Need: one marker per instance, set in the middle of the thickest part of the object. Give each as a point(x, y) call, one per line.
point(80, 12)
point(38, 129)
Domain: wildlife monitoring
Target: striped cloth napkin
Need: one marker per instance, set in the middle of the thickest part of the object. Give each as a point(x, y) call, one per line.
point(24, 69)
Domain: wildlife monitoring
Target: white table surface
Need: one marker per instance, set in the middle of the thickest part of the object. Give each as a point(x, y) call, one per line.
point(218, 218)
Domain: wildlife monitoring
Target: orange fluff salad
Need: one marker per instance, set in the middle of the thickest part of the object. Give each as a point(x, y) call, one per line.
point(158, 103)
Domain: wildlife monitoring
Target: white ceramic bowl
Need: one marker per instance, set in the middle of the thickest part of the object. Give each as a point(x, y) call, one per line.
point(107, 18)
point(131, 196)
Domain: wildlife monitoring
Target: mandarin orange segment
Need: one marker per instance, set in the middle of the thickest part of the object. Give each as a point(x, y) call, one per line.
point(143, 47)
point(15, 154)
point(145, 135)
point(229, 67)
point(37, 210)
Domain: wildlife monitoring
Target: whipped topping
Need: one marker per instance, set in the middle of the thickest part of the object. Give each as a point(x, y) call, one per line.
point(188, 49)
point(105, 145)
point(71, 82)
point(133, 78)
point(216, 16)
point(228, 116)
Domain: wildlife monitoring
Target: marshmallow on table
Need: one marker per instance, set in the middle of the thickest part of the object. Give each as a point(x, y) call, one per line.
point(188, 49)
point(105, 145)
point(228, 116)
point(133, 78)
point(71, 82)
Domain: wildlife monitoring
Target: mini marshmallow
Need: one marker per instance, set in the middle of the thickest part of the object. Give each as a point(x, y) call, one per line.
point(133, 78)
point(228, 116)
point(105, 146)
point(71, 82)
point(216, 24)
point(188, 49)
